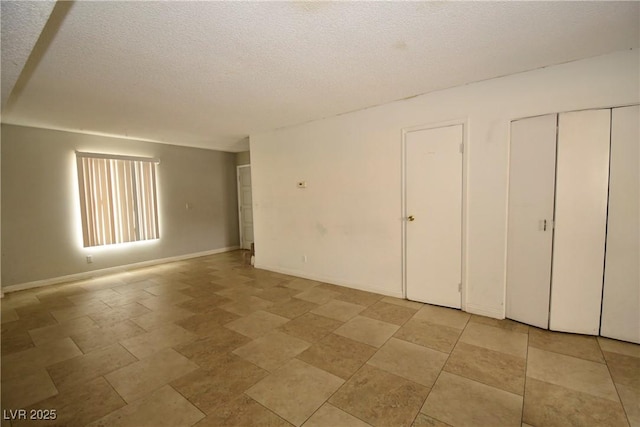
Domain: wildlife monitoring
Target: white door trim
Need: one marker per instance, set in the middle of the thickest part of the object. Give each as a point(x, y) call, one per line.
point(403, 184)
point(239, 192)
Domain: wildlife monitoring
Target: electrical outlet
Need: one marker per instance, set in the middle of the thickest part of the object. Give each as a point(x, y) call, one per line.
point(89, 259)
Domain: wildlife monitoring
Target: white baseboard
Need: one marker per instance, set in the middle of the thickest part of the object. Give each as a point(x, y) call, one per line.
point(496, 313)
point(110, 270)
point(330, 280)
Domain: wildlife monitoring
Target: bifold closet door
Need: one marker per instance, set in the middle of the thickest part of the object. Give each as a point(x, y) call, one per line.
point(532, 170)
point(582, 181)
point(621, 296)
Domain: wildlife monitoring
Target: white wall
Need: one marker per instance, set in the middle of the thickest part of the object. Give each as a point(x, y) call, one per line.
point(348, 220)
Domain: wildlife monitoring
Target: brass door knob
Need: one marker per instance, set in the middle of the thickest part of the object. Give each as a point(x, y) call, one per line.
point(411, 218)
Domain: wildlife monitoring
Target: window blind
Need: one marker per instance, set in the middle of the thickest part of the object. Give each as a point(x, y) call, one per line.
point(118, 199)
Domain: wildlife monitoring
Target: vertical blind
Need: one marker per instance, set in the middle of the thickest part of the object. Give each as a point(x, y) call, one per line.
point(118, 199)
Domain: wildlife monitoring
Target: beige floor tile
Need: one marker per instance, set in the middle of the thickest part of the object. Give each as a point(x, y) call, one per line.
point(160, 318)
point(624, 369)
point(47, 354)
point(630, 398)
point(570, 372)
point(163, 407)
point(200, 323)
point(91, 307)
point(423, 420)
point(206, 351)
point(106, 335)
point(119, 314)
point(403, 302)
point(462, 402)
point(513, 343)
point(62, 330)
point(443, 316)
point(380, 398)
point(209, 388)
point(146, 344)
point(167, 288)
point(390, 313)
point(203, 292)
point(330, 416)
point(140, 378)
point(411, 361)
point(73, 372)
point(8, 315)
point(79, 405)
point(311, 327)
point(317, 295)
point(368, 331)
point(338, 355)
point(359, 297)
point(242, 411)
point(92, 295)
point(295, 391)
point(437, 337)
point(507, 324)
point(490, 367)
point(553, 405)
point(278, 294)
point(127, 298)
point(272, 351)
point(291, 308)
point(581, 346)
point(257, 323)
point(165, 301)
point(614, 346)
point(15, 341)
point(301, 284)
point(28, 321)
point(338, 310)
point(246, 305)
point(26, 389)
point(203, 304)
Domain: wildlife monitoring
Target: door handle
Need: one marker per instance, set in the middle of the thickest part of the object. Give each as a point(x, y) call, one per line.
point(411, 218)
point(543, 225)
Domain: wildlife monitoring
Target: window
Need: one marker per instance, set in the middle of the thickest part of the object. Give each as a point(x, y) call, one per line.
point(118, 198)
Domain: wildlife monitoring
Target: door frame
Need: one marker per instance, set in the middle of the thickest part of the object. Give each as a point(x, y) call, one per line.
point(464, 122)
point(240, 199)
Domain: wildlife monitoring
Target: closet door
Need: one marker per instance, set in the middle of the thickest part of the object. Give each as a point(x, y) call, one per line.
point(532, 171)
point(580, 221)
point(621, 296)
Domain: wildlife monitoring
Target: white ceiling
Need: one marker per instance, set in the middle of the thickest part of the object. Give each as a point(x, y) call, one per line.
point(208, 74)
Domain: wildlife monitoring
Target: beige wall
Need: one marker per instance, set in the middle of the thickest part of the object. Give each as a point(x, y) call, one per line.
point(243, 158)
point(42, 237)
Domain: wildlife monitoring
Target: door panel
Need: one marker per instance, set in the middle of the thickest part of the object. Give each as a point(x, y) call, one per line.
point(621, 295)
point(246, 206)
point(530, 227)
point(434, 199)
point(581, 210)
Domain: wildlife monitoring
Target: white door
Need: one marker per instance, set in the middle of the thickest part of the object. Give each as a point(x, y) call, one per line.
point(433, 179)
point(532, 171)
point(582, 182)
point(245, 206)
point(621, 294)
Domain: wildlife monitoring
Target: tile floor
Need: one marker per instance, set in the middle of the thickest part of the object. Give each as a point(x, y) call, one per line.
point(214, 342)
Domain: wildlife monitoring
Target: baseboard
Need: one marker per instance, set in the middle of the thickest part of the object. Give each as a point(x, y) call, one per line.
point(496, 313)
point(110, 270)
point(330, 280)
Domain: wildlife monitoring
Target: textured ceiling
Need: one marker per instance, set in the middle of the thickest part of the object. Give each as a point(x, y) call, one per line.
point(208, 74)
